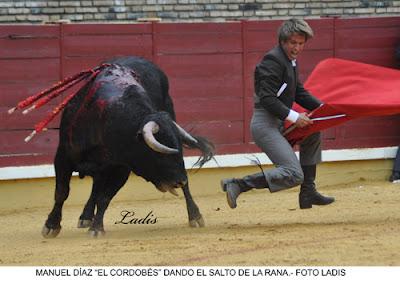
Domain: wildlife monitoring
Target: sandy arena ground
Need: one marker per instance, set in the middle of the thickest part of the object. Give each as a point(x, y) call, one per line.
point(361, 228)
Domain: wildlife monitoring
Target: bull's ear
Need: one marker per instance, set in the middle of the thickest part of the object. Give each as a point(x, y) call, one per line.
point(139, 134)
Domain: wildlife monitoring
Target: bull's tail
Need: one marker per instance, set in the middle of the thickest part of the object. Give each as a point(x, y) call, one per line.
point(43, 97)
point(206, 147)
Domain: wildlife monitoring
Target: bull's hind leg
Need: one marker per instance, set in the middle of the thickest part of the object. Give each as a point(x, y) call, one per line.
point(63, 169)
point(86, 218)
point(195, 218)
point(105, 186)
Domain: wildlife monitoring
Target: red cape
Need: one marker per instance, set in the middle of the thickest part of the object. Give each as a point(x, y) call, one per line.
point(350, 88)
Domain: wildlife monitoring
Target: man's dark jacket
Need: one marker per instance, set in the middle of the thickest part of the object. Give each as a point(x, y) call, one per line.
point(271, 73)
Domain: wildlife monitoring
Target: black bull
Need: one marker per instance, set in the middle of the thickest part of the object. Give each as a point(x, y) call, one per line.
point(122, 121)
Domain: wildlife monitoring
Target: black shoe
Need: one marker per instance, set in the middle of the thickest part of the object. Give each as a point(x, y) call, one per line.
point(309, 198)
point(395, 177)
point(232, 189)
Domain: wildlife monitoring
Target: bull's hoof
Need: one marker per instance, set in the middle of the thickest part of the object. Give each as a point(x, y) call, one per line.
point(198, 222)
point(50, 233)
point(96, 233)
point(84, 223)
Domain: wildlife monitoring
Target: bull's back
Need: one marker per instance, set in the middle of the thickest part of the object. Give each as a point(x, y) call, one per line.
point(98, 106)
point(153, 80)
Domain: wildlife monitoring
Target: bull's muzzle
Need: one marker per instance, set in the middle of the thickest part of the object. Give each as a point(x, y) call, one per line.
point(170, 187)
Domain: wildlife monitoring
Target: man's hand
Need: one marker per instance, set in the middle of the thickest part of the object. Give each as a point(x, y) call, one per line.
point(303, 120)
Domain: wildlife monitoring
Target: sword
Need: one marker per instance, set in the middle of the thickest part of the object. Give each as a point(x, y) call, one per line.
point(328, 117)
point(293, 126)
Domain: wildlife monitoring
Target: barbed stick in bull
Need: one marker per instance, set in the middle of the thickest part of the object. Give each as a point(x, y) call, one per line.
point(47, 95)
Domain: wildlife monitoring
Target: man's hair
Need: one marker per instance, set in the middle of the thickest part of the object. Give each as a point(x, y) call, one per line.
point(294, 26)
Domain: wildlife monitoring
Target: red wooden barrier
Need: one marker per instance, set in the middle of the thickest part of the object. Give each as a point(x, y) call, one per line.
point(210, 67)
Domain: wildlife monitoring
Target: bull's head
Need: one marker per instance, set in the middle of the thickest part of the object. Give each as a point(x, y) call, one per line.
point(164, 164)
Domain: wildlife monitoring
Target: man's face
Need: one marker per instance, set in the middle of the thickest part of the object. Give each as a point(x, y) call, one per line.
point(294, 45)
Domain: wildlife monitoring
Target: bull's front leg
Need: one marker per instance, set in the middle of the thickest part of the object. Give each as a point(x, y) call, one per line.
point(105, 186)
point(195, 218)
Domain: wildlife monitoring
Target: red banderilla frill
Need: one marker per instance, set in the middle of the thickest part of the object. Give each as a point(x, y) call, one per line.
point(47, 95)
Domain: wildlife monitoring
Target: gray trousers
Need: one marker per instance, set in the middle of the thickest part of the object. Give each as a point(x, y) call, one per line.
point(267, 130)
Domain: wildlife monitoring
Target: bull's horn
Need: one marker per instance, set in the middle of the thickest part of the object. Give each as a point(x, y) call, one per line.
point(149, 129)
point(184, 134)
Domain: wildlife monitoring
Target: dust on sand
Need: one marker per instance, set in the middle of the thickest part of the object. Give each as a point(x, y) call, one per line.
point(360, 228)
